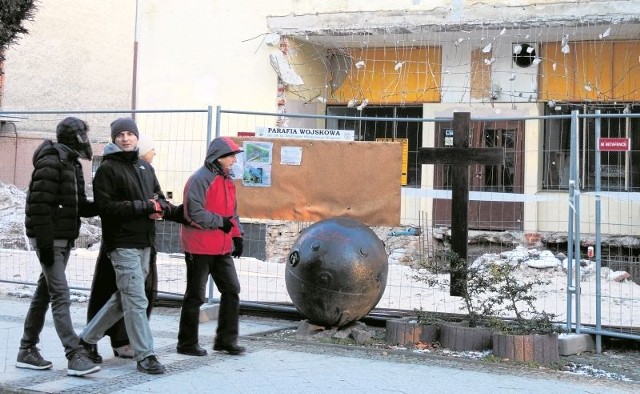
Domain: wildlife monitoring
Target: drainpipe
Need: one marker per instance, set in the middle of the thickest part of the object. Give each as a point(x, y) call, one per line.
point(15, 152)
point(134, 80)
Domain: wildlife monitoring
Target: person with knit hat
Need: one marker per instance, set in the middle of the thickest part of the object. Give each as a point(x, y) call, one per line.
point(104, 281)
point(56, 201)
point(129, 199)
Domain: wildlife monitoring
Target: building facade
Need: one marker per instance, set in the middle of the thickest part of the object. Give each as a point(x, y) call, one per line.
point(507, 63)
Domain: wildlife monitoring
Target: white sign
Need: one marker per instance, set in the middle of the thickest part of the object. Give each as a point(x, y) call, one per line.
point(291, 155)
point(309, 134)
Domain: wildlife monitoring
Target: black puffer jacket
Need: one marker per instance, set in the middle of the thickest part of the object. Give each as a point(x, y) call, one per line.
point(56, 198)
point(123, 188)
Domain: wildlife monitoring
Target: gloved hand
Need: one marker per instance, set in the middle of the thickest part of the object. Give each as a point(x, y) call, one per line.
point(237, 247)
point(226, 224)
point(177, 215)
point(165, 206)
point(45, 254)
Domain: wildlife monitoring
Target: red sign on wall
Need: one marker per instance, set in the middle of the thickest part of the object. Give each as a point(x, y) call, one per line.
point(614, 144)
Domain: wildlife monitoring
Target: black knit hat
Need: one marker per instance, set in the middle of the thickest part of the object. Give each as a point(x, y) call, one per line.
point(123, 124)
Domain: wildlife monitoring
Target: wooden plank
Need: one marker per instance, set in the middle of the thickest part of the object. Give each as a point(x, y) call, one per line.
point(461, 156)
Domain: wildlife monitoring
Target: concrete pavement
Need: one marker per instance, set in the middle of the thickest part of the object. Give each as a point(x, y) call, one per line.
point(269, 366)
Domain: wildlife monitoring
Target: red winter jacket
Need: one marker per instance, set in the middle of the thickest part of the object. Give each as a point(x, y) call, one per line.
point(209, 195)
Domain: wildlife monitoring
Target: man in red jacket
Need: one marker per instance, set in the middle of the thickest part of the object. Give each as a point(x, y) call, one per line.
point(213, 237)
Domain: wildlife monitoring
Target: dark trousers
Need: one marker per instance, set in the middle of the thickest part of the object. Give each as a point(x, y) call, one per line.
point(51, 288)
point(223, 271)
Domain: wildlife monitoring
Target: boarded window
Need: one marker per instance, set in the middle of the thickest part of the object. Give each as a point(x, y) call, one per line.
point(391, 76)
point(480, 74)
point(581, 71)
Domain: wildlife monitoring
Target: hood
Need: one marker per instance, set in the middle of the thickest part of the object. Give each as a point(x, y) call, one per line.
point(219, 147)
point(49, 147)
point(113, 151)
point(110, 149)
point(42, 148)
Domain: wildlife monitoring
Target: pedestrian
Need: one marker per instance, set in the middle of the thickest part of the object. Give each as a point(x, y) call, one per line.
point(129, 200)
point(104, 282)
point(146, 148)
point(213, 237)
point(56, 201)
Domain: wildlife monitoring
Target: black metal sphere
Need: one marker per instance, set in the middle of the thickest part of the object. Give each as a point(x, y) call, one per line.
point(336, 271)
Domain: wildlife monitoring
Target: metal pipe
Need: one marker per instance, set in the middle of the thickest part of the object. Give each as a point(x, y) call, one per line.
point(576, 217)
point(598, 251)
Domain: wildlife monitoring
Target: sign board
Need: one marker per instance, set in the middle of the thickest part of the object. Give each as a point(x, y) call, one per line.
point(614, 144)
point(307, 134)
point(448, 137)
point(405, 156)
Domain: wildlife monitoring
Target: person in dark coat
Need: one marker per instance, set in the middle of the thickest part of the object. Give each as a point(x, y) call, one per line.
point(56, 201)
point(129, 200)
point(104, 277)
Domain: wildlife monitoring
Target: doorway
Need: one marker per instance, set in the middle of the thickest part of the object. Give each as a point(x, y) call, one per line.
point(485, 213)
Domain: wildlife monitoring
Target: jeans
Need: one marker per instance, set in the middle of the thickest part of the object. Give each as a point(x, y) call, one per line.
point(129, 301)
point(223, 271)
point(52, 287)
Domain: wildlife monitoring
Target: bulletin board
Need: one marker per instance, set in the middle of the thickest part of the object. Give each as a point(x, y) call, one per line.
point(359, 180)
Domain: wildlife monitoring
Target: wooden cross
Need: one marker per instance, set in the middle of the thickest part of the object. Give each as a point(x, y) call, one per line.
point(460, 156)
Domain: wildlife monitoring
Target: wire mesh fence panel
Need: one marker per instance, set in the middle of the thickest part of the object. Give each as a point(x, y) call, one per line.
point(180, 141)
point(518, 215)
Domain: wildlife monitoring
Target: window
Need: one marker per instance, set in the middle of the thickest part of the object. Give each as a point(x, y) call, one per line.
point(371, 130)
point(620, 171)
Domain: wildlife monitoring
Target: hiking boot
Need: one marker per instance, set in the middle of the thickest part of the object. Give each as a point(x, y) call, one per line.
point(32, 359)
point(233, 348)
point(80, 364)
point(125, 351)
point(91, 350)
point(151, 365)
point(195, 350)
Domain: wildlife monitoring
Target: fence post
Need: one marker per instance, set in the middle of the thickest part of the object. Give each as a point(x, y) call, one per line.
point(573, 238)
point(598, 249)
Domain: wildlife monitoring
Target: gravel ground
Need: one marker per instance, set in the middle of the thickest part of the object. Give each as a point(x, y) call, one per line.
point(618, 364)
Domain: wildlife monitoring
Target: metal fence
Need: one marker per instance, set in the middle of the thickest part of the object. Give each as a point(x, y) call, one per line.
point(594, 298)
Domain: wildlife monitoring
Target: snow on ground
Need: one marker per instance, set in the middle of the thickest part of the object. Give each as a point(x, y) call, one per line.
point(264, 281)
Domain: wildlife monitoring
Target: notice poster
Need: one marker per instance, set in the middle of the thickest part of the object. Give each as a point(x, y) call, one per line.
point(257, 164)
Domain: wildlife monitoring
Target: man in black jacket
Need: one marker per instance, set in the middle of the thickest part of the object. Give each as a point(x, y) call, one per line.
point(55, 202)
point(129, 201)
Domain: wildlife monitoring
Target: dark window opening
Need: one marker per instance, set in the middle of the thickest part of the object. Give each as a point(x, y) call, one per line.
point(619, 171)
point(372, 130)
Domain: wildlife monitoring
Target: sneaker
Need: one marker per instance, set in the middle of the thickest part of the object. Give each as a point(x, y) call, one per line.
point(80, 364)
point(151, 365)
point(32, 359)
point(125, 351)
point(91, 350)
point(233, 348)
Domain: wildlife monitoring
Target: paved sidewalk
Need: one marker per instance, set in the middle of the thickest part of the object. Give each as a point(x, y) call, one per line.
point(268, 366)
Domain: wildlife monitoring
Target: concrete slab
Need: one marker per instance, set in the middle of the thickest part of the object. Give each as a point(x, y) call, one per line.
point(569, 344)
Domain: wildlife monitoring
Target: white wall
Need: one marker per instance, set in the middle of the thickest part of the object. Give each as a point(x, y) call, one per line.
point(200, 52)
point(78, 55)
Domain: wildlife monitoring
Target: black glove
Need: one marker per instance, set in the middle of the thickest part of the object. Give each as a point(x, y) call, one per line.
point(226, 224)
point(237, 247)
point(165, 206)
point(45, 254)
point(177, 215)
